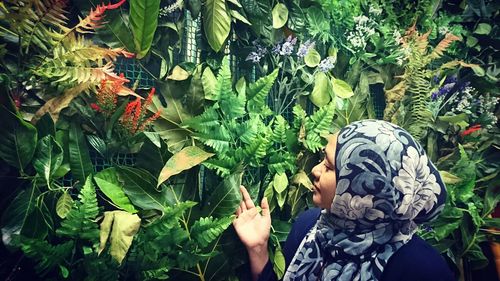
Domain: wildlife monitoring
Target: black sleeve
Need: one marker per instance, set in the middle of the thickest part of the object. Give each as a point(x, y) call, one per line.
point(300, 228)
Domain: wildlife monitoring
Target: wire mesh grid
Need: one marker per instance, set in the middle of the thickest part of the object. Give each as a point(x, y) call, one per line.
point(133, 71)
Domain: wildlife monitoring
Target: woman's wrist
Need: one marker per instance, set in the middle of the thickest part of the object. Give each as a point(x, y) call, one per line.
point(259, 256)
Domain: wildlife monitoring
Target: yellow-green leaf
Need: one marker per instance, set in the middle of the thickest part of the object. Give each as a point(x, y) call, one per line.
point(341, 89)
point(216, 23)
point(312, 58)
point(280, 182)
point(235, 14)
point(322, 90)
point(110, 185)
point(301, 178)
point(449, 178)
point(280, 15)
point(209, 83)
point(178, 74)
point(64, 205)
point(185, 159)
point(120, 227)
point(279, 263)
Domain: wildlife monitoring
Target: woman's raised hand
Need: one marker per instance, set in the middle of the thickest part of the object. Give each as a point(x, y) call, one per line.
point(252, 227)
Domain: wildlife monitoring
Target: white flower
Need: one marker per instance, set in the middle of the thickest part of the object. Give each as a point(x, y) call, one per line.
point(418, 185)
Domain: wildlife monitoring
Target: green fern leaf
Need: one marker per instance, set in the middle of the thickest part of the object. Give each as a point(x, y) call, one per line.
point(320, 122)
point(207, 230)
point(257, 92)
point(80, 222)
point(299, 115)
point(280, 128)
point(281, 162)
point(224, 86)
point(47, 256)
point(205, 122)
point(222, 167)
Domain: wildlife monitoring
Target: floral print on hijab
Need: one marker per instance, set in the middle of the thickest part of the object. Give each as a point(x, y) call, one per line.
point(385, 186)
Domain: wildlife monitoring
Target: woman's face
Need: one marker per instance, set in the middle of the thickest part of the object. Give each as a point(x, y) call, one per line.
point(325, 181)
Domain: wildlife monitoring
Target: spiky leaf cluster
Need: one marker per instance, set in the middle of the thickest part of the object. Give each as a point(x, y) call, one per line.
point(47, 256)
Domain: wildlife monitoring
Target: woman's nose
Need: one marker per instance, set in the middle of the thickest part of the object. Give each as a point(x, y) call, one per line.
point(316, 171)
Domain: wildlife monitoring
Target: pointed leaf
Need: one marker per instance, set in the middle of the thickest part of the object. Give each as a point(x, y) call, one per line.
point(18, 139)
point(280, 15)
point(143, 21)
point(45, 126)
point(152, 158)
point(341, 89)
point(123, 227)
point(235, 14)
point(216, 23)
point(280, 182)
point(15, 216)
point(322, 91)
point(140, 187)
point(257, 92)
point(178, 74)
point(109, 184)
point(301, 178)
point(225, 198)
point(64, 205)
point(185, 159)
point(209, 83)
point(79, 157)
point(48, 157)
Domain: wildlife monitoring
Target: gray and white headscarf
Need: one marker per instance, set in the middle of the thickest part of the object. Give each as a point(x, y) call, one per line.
point(386, 185)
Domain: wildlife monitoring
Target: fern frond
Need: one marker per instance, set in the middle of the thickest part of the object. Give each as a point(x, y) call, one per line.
point(299, 115)
point(94, 19)
point(218, 138)
point(313, 142)
point(78, 50)
point(257, 92)
point(443, 45)
point(249, 130)
point(55, 69)
point(222, 167)
point(254, 152)
point(48, 13)
point(281, 162)
point(280, 128)
point(81, 220)
point(47, 256)
point(205, 122)
point(320, 122)
point(224, 85)
point(207, 230)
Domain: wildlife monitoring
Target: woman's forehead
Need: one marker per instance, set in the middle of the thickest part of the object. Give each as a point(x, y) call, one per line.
point(332, 145)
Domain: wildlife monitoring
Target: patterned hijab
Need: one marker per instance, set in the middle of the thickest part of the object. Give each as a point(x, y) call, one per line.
point(385, 186)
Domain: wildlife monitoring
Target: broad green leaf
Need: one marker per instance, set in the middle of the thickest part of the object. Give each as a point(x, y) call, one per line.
point(64, 205)
point(475, 257)
point(168, 125)
point(471, 41)
point(45, 126)
point(143, 21)
point(15, 216)
point(478, 70)
point(154, 138)
point(449, 178)
point(483, 29)
point(281, 199)
point(301, 178)
point(109, 184)
point(216, 23)
point(120, 227)
point(79, 157)
point(178, 74)
point(209, 83)
point(280, 182)
point(312, 58)
point(225, 198)
point(116, 31)
point(235, 14)
point(98, 144)
point(279, 263)
point(454, 118)
point(341, 89)
point(194, 98)
point(48, 157)
point(140, 187)
point(152, 157)
point(235, 2)
point(185, 159)
point(322, 91)
point(18, 139)
point(280, 15)
point(491, 199)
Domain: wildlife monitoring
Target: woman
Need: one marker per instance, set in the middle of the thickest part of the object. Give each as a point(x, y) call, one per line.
point(374, 186)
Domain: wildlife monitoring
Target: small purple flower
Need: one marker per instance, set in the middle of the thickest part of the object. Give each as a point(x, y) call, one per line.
point(304, 48)
point(326, 64)
point(276, 49)
point(288, 45)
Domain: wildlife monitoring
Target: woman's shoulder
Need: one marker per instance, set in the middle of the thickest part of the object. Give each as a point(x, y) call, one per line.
point(417, 260)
